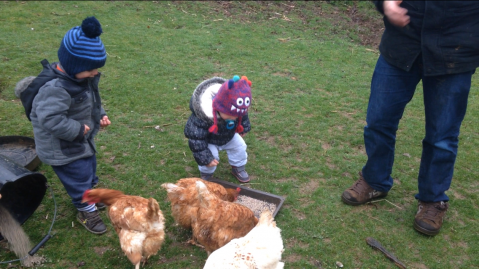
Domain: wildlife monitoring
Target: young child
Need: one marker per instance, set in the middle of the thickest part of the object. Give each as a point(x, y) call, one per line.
point(218, 121)
point(67, 114)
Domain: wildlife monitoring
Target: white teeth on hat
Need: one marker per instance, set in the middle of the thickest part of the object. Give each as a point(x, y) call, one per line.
point(238, 110)
point(242, 110)
point(233, 107)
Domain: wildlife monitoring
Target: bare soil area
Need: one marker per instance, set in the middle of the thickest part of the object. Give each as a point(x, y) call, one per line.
point(366, 24)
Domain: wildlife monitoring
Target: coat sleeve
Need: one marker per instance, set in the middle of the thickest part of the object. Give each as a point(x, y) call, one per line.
point(196, 131)
point(52, 105)
point(246, 124)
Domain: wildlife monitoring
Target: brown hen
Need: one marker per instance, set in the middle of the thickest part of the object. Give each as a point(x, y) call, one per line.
point(218, 221)
point(138, 222)
point(183, 197)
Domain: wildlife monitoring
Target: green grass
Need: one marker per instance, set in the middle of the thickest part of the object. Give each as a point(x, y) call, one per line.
point(310, 91)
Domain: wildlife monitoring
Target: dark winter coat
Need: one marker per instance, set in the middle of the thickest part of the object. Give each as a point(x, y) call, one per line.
point(446, 33)
point(196, 128)
point(59, 112)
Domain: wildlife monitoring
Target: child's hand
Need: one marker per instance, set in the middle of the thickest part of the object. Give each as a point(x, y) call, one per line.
point(86, 129)
point(242, 134)
point(104, 122)
point(214, 162)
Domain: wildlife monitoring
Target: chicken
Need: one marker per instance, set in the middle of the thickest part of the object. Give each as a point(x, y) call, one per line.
point(218, 221)
point(138, 221)
point(261, 248)
point(183, 197)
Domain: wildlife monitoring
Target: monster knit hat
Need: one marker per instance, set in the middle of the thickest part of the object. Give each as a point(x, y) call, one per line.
point(81, 48)
point(233, 98)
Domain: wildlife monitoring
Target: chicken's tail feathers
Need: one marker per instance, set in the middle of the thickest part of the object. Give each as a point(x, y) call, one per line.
point(153, 209)
point(266, 219)
point(204, 195)
point(170, 187)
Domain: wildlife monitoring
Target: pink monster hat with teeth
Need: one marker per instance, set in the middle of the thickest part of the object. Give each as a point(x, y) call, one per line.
point(233, 98)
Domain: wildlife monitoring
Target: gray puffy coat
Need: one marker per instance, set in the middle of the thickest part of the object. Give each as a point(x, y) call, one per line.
point(59, 112)
point(201, 119)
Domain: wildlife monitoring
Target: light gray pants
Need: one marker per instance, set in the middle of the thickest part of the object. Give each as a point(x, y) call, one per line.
point(235, 149)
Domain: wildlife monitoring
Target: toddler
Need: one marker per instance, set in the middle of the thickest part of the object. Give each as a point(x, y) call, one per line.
point(218, 121)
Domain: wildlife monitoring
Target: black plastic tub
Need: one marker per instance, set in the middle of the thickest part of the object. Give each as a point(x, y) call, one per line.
point(256, 194)
point(21, 190)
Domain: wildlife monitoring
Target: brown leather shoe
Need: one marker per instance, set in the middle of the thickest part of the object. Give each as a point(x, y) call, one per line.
point(361, 193)
point(429, 217)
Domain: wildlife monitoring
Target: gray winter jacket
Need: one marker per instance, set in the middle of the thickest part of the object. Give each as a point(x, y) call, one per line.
point(201, 119)
point(59, 112)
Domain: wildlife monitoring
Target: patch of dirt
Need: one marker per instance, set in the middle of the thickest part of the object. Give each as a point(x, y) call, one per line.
point(100, 250)
point(309, 187)
point(292, 258)
point(367, 26)
point(294, 242)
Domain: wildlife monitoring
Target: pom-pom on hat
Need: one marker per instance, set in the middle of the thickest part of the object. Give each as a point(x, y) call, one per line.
point(233, 98)
point(81, 48)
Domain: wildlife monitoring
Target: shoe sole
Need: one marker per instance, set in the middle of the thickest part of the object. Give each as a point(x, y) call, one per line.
point(425, 231)
point(93, 232)
point(240, 179)
point(361, 203)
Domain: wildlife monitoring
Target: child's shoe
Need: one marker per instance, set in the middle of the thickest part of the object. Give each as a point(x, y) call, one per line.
point(91, 221)
point(240, 173)
point(206, 176)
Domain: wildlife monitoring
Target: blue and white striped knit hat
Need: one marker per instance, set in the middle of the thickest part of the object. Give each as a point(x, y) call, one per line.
point(81, 48)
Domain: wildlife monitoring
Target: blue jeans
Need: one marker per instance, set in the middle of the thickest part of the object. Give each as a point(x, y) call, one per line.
point(77, 177)
point(445, 102)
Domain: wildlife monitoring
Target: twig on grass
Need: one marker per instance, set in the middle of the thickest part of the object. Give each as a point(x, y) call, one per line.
point(386, 201)
point(153, 126)
point(371, 217)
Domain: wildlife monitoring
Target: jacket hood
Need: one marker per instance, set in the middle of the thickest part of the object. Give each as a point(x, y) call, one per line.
point(202, 100)
point(23, 84)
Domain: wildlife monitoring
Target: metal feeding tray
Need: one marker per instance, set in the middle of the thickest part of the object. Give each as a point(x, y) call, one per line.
point(256, 194)
point(20, 149)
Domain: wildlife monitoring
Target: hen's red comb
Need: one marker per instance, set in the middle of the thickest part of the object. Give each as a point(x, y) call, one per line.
point(85, 196)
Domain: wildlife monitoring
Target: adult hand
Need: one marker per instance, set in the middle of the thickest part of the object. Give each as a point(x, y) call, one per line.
point(104, 122)
point(214, 162)
point(86, 129)
point(396, 14)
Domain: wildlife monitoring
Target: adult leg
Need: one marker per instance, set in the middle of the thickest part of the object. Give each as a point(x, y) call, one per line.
point(391, 90)
point(445, 103)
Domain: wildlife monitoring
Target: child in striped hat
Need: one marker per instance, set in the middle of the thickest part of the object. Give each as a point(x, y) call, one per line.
point(67, 114)
point(218, 121)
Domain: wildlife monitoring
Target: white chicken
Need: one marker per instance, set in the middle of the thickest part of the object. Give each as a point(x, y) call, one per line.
point(261, 248)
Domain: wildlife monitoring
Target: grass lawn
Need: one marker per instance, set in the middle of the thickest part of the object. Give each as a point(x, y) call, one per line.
point(310, 64)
